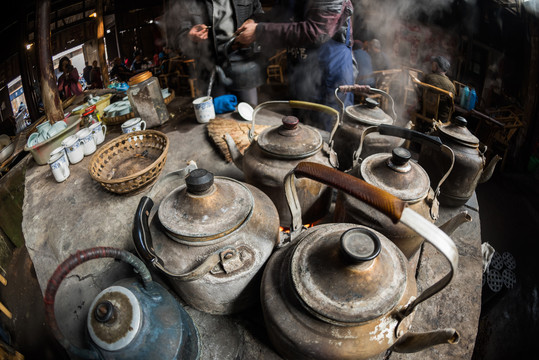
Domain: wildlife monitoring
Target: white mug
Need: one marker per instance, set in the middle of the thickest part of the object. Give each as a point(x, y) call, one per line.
point(87, 141)
point(204, 110)
point(73, 148)
point(98, 131)
point(134, 124)
point(59, 166)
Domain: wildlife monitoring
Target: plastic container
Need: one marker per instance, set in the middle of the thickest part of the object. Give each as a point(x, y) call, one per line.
point(464, 97)
point(472, 99)
point(145, 96)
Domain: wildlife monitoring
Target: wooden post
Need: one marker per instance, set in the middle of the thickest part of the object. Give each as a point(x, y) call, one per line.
point(101, 44)
point(49, 88)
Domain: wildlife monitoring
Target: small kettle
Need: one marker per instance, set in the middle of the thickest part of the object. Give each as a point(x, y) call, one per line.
point(130, 319)
point(470, 168)
point(344, 291)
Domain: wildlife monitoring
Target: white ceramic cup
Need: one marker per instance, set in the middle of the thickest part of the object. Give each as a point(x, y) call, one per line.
point(87, 141)
point(134, 124)
point(73, 148)
point(59, 165)
point(204, 110)
point(98, 131)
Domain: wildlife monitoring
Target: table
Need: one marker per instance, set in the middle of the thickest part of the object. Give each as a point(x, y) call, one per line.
point(61, 218)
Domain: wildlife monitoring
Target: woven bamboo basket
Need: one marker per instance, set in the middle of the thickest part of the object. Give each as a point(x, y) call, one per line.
point(131, 162)
point(170, 97)
point(117, 120)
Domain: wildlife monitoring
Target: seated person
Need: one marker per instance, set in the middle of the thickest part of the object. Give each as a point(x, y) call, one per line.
point(379, 59)
point(120, 71)
point(439, 66)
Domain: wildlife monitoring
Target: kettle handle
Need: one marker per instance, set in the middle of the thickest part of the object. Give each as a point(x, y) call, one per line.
point(296, 104)
point(384, 202)
point(65, 268)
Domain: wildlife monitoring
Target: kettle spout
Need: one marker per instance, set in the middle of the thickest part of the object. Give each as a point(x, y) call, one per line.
point(489, 170)
point(452, 224)
point(414, 342)
point(235, 153)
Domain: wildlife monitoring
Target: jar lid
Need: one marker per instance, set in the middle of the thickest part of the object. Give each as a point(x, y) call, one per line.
point(347, 274)
point(205, 208)
point(367, 113)
point(291, 139)
point(89, 110)
point(457, 130)
point(396, 174)
point(139, 78)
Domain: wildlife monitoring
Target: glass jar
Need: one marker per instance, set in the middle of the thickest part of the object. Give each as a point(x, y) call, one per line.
point(145, 96)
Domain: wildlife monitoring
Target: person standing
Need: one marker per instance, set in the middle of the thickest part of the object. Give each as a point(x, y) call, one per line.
point(68, 82)
point(318, 36)
point(86, 73)
point(95, 76)
point(205, 29)
point(439, 67)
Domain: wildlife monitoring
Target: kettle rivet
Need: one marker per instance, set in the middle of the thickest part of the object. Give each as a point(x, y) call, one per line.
point(229, 254)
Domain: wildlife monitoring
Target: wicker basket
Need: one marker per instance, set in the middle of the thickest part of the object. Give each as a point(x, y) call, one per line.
point(117, 120)
point(171, 97)
point(129, 163)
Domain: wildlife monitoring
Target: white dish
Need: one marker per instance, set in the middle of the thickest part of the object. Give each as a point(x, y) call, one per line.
point(246, 111)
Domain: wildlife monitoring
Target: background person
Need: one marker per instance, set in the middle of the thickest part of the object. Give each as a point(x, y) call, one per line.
point(68, 82)
point(439, 67)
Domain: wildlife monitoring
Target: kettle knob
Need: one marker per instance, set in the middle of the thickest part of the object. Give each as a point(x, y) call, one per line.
point(104, 311)
point(290, 122)
point(460, 121)
point(400, 156)
point(371, 103)
point(360, 245)
point(199, 181)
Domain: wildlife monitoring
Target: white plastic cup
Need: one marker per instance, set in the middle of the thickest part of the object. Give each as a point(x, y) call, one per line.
point(73, 148)
point(59, 164)
point(204, 110)
point(87, 141)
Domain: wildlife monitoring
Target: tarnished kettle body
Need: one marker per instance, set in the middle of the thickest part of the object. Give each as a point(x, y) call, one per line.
point(130, 319)
point(402, 177)
point(354, 120)
point(213, 243)
point(470, 166)
point(277, 150)
point(344, 291)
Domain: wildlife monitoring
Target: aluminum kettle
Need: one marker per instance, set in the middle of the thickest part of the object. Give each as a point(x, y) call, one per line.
point(131, 319)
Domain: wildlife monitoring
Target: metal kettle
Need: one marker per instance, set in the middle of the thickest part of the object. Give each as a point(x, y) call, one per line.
point(277, 150)
point(210, 237)
point(344, 291)
point(470, 168)
point(355, 119)
point(402, 177)
point(244, 68)
point(130, 319)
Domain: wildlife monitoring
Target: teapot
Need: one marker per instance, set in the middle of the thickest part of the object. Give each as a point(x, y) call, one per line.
point(344, 291)
point(277, 150)
point(355, 119)
point(470, 168)
point(210, 236)
point(130, 319)
point(402, 177)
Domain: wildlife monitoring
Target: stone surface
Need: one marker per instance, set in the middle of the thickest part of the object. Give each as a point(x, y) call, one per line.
point(61, 218)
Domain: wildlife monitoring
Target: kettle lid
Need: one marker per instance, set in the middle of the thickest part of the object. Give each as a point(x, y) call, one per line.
point(456, 129)
point(114, 319)
point(397, 174)
point(205, 208)
point(368, 113)
point(291, 139)
point(347, 274)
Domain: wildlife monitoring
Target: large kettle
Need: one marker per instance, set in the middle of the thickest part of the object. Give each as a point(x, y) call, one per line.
point(130, 319)
point(277, 150)
point(470, 166)
point(244, 68)
point(355, 119)
point(210, 237)
point(344, 291)
point(402, 177)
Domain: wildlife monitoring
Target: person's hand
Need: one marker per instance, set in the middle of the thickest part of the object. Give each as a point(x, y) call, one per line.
point(246, 32)
point(199, 33)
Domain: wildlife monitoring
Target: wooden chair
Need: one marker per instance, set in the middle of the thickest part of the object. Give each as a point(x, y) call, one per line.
point(386, 80)
point(428, 112)
point(276, 67)
point(501, 139)
point(410, 90)
point(181, 74)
